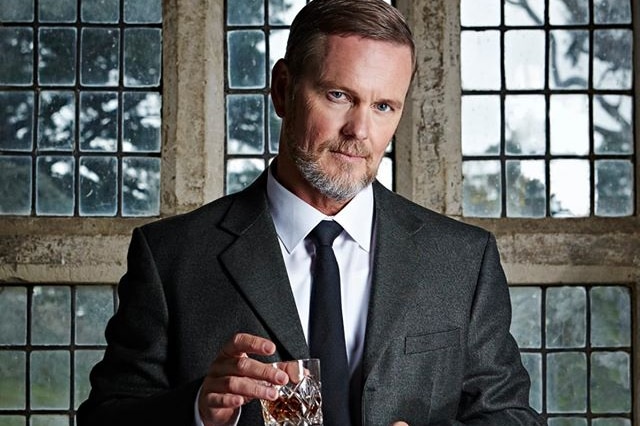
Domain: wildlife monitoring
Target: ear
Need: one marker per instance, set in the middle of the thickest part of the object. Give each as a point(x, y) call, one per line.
point(280, 81)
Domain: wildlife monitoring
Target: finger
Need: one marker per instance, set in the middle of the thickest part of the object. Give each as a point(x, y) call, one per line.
point(243, 343)
point(248, 368)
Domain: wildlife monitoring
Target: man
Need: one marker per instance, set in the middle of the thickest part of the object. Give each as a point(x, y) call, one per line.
point(212, 296)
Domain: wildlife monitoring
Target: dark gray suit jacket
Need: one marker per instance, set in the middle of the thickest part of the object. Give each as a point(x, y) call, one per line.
point(437, 347)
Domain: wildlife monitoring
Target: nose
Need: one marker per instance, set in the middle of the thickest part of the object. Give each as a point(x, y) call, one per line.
point(357, 124)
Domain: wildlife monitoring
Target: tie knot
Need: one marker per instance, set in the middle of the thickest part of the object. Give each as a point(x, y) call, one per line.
point(325, 232)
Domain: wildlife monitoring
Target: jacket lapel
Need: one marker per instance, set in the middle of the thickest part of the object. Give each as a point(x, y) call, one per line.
point(261, 275)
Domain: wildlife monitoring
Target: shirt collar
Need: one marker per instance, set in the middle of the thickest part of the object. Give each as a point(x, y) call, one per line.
point(294, 218)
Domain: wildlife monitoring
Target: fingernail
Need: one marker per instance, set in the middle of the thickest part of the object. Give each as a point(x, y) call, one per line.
point(281, 377)
point(272, 393)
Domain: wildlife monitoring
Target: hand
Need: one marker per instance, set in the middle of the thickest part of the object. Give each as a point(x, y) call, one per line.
point(400, 424)
point(235, 379)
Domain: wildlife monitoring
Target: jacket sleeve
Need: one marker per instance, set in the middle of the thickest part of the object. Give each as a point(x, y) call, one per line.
point(495, 388)
point(132, 385)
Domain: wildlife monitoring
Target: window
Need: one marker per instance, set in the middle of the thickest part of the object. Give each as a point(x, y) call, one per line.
point(256, 37)
point(80, 107)
point(547, 126)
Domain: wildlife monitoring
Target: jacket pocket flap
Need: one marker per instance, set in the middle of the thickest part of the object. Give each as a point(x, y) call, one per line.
point(431, 341)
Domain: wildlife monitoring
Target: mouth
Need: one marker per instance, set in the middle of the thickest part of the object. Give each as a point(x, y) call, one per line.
point(348, 156)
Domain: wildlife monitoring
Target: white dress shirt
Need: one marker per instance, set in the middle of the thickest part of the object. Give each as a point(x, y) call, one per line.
point(294, 219)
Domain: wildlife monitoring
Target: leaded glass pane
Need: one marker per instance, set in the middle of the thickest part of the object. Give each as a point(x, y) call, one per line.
point(611, 421)
point(98, 186)
point(100, 11)
point(16, 11)
point(567, 421)
point(246, 59)
point(569, 59)
point(84, 362)
point(57, 60)
point(614, 188)
point(480, 49)
point(100, 57)
point(277, 46)
point(16, 45)
point(57, 10)
point(282, 12)
point(241, 172)
point(275, 124)
point(610, 382)
point(142, 57)
point(245, 124)
point(141, 122)
point(575, 12)
point(482, 190)
point(49, 420)
point(613, 124)
point(8, 420)
point(99, 121)
point(570, 188)
point(480, 125)
point(140, 186)
point(13, 316)
point(610, 317)
point(15, 185)
point(143, 11)
point(612, 64)
point(566, 382)
point(566, 317)
point(246, 12)
point(51, 309)
point(525, 117)
point(533, 363)
point(573, 139)
point(56, 121)
point(13, 383)
point(526, 190)
point(478, 13)
point(524, 59)
point(526, 316)
point(385, 173)
point(515, 14)
point(94, 307)
point(50, 380)
point(16, 121)
point(55, 181)
point(612, 11)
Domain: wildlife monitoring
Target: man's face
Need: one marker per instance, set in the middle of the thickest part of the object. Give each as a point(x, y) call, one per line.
point(342, 116)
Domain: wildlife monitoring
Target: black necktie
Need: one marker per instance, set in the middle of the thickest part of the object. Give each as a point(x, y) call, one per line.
point(326, 332)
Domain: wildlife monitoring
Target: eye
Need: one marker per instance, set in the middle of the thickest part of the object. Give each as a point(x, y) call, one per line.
point(337, 95)
point(383, 107)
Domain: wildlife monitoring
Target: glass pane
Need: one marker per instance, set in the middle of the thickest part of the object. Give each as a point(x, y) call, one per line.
point(611, 421)
point(277, 46)
point(613, 124)
point(13, 316)
point(16, 121)
point(51, 315)
point(49, 420)
point(142, 57)
point(566, 382)
point(15, 185)
point(84, 362)
point(612, 11)
point(100, 57)
point(98, 121)
point(16, 45)
point(480, 125)
point(56, 121)
point(283, 12)
point(246, 59)
point(570, 192)
point(569, 59)
point(569, 120)
point(13, 420)
point(241, 172)
point(567, 421)
point(50, 380)
point(16, 11)
point(245, 124)
point(562, 12)
point(55, 181)
point(526, 190)
point(246, 12)
point(480, 50)
point(140, 186)
point(533, 364)
point(614, 188)
point(103, 11)
point(143, 11)
point(12, 386)
point(275, 125)
point(612, 62)
point(57, 10)
point(141, 122)
point(610, 382)
point(566, 320)
point(481, 189)
point(385, 173)
point(98, 186)
point(525, 117)
point(524, 13)
point(610, 317)
point(524, 53)
point(57, 60)
point(525, 318)
point(94, 307)
point(480, 13)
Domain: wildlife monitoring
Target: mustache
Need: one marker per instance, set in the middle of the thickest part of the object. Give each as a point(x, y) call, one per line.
point(348, 146)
